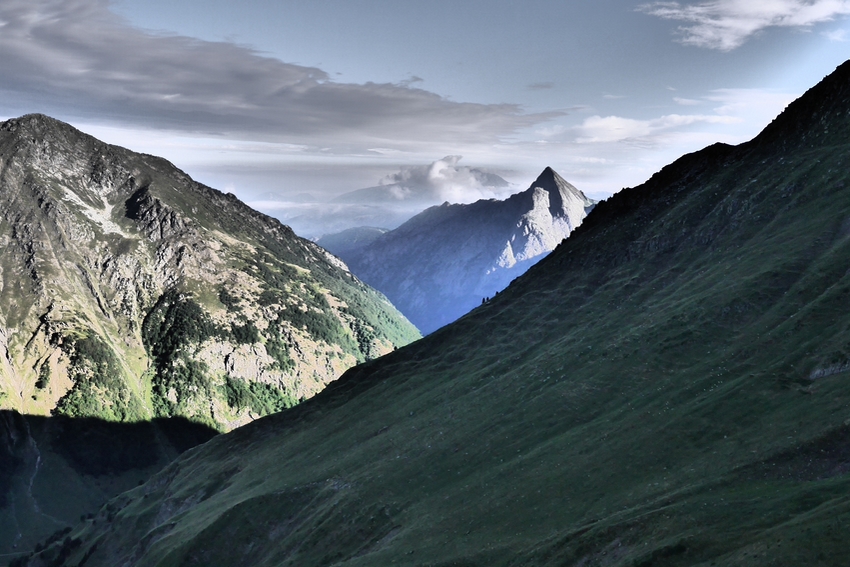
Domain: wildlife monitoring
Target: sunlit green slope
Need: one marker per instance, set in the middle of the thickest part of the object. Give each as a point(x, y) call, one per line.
point(668, 388)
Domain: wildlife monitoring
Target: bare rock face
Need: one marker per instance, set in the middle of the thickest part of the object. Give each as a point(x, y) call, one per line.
point(129, 291)
point(441, 263)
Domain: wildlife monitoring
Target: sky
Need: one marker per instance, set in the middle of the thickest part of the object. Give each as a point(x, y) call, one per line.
point(290, 105)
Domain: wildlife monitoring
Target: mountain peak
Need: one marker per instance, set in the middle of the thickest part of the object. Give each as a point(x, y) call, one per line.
point(547, 179)
point(112, 240)
point(36, 122)
point(562, 194)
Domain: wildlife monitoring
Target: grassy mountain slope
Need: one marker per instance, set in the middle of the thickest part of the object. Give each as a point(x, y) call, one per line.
point(667, 388)
point(129, 291)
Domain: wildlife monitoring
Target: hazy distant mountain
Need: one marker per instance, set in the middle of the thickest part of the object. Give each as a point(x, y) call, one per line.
point(347, 241)
point(668, 388)
point(444, 261)
point(399, 197)
point(314, 220)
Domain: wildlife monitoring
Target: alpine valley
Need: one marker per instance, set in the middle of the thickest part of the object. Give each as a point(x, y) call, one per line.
point(668, 387)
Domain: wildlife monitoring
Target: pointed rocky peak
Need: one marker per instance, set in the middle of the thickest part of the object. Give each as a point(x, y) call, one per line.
point(562, 194)
point(52, 139)
point(548, 180)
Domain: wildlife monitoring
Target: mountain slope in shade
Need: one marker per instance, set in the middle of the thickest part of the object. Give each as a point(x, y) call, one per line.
point(668, 387)
point(441, 263)
point(129, 291)
point(53, 470)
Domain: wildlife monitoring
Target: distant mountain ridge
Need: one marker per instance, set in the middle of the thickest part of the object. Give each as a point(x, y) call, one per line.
point(347, 241)
point(444, 261)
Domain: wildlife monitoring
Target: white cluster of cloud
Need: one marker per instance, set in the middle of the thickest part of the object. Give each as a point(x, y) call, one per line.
point(728, 24)
point(444, 180)
point(396, 198)
point(78, 56)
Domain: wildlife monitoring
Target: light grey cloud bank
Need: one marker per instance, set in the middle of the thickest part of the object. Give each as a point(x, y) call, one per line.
point(727, 24)
point(78, 55)
point(440, 181)
point(395, 199)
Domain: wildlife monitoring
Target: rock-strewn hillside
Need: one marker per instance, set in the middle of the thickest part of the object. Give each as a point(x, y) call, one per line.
point(444, 261)
point(129, 291)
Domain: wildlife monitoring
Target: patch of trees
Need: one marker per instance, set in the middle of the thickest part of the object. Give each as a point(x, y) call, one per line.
point(259, 397)
point(174, 323)
point(100, 389)
point(43, 376)
point(228, 300)
point(246, 333)
point(277, 346)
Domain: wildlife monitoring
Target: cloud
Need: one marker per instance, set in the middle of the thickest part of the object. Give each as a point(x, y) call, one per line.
point(396, 198)
point(78, 57)
point(541, 86)
point(760, 106)
point(551, 131)
point(838, 36)
point(728, 24)
point(445, 180)
point(599, 129)
point(686, 101)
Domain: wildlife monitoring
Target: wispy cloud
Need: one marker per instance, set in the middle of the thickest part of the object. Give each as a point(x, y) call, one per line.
point(600, 129)
point(686, 101)
point(838, 36)
point(728, 24)
point(541, 86)
point(77, 55)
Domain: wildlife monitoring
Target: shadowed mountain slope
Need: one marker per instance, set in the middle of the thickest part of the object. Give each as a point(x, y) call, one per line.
point(129, 291)
point(53, 470)
point(441, 263)
point(669, 387)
